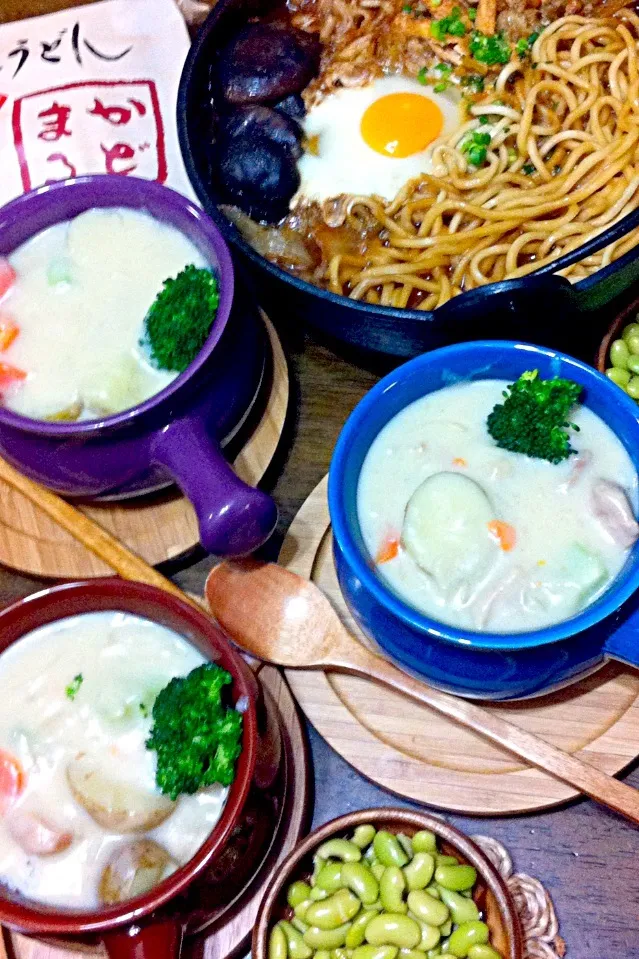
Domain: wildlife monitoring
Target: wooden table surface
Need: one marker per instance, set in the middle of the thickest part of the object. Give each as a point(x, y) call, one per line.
point(586, 856)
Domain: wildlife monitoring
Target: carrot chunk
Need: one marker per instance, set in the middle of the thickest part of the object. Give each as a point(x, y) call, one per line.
point(7, 276)
point(10, 374)
point(11, 780)
point(504, 533)
point(8, 332)
point(388, 549)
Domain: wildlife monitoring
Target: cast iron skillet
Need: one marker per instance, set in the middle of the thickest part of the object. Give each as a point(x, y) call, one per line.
point(543, 308)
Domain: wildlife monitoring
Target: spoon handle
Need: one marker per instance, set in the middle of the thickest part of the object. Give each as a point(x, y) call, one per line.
point(594, 783)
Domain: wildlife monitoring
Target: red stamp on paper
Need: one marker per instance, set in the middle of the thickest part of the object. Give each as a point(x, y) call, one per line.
point(98, 126)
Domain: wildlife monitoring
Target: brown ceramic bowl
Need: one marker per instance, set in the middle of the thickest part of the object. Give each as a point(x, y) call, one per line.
point(614, 331)
point(491, 893)
point(150, 926)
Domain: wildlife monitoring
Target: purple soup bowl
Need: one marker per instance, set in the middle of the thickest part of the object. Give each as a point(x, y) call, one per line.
point(176, 435)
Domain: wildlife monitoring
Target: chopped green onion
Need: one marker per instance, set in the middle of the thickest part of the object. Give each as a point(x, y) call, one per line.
point(512, 154)
point(484, 119)
point(440, 87)
point(422, 76)
point(528, 169)
point(472, 14)
point(73, 688)
point(489, 49)
point(407, 8)
point(448, 26)
point(443, 68)
point(474, 81)
point(477, 155)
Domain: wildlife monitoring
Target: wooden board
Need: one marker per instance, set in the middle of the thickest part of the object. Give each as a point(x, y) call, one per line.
point(229, 934)
point(423, 756)
point(158, 527)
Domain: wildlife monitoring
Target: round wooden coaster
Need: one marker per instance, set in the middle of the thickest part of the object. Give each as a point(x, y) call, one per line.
point(227, 935)
point(157, 528)
point(418, 754)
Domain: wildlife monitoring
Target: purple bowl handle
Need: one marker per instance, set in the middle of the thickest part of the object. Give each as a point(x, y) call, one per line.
point(234, 518)
point(155, 940)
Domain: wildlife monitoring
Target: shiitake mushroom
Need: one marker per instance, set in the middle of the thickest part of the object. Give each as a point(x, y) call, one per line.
point(265, 63)
point(256, 152)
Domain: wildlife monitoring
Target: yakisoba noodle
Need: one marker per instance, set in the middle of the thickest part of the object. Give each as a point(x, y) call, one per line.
point(562, 166)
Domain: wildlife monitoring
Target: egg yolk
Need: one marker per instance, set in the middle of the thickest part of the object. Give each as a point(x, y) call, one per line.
point(400, 124)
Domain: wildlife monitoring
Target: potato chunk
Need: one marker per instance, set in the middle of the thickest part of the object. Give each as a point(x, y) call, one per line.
point(37, 836)
point(133, 869)
point(115, 805)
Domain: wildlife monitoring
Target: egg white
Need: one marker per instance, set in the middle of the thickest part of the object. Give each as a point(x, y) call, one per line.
point(344, 162)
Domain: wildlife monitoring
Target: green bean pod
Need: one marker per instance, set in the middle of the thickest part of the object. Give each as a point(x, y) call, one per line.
point(393, 929)
point(467, 935)
point(298, 948)
point(342, 849)
point(456, 878)
point(388, 849)
point(420, 870)
point(461, 908)
point(326, 938)
point(425, 841)
point(375, 952)
point(363, 836)
point(356, 934)
point(330, 877)
point(330, 913)
point(427, 908)
point(483, 951)
point(359, 879)
point(392, 887)
point(277, 944)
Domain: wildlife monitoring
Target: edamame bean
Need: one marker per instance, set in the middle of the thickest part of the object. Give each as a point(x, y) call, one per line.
point(277, 944)
point(392, 886)
point(425, 841)
point(364, 835)
point(433, 953)
point(631, 330)
point(358, 878)
point(633, 343)
point(322, 954)
point(301, 907)
point(412, 954)
point(619, 354)
point(446, 929)
point(456, 877)
point(378, 870)
point(342, 849)
point(433, 889)
point(317, 893)
point(442, 860)
point(388, 849)
point(299, 924)
point(467, 935)
point(461, 908)
point(326, 938)
point(406, 843)
point(369, 855)
point(430, 936)
point(355, 935)
point(297, 893)
point(393, 929)
point(375, 952)
point(633, 363)
point(330, 877)
point(341, 953)
point(427, 908)
point(298, 948)
point(632, 389)
point(330, 913)
point(483, 952)
point(420, 870)
point(620, 377)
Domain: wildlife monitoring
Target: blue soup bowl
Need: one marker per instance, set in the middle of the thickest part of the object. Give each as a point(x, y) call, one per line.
point(479, 664)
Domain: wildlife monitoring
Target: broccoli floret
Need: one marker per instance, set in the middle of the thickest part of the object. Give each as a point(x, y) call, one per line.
point(196, 737)
point(180, 319)
point(532, 418)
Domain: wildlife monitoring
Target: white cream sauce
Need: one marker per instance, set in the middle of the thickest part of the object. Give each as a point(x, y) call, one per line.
point(82, 291)
point(563, 556)
point(124, 661)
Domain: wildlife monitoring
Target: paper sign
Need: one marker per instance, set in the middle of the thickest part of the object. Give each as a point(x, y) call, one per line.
point(92, 90)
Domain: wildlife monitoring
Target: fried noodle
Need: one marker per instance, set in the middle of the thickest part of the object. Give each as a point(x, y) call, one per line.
point(561, 168)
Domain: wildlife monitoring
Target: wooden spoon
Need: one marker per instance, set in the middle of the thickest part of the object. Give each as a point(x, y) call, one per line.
point(283, 619)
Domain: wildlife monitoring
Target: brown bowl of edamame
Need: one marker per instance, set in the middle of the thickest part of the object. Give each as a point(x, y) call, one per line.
point(387, 884)
point(618, 355)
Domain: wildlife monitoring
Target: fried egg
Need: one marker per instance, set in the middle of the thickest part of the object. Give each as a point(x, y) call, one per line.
point(372, 140)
